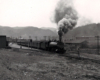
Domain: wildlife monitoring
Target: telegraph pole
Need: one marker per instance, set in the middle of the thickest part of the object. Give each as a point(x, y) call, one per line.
point(45, 38)
point(29, 43)
point(20, 42)
point(48, 38)
point(97, 44)
point(36, 38)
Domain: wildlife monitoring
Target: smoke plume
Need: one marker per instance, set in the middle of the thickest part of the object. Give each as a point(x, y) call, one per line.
point(64, 8)
point(65, 16)
point(66, 24)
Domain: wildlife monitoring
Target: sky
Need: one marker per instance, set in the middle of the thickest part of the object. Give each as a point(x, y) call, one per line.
point(26, 12)
point(37, 13)
point(89, 9)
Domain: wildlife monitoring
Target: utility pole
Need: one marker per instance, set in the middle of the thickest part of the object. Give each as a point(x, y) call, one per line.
point(36, 38)
point(20, 42)
point(45, 38)
point(48, 38)
point(29, 43)
point(29, 37)
point(97, 37)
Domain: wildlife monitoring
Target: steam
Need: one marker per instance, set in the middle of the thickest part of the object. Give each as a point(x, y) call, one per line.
point(64, 9)
point(80, 11)
point(65, 17)
point(75, 13)
point(66, 24)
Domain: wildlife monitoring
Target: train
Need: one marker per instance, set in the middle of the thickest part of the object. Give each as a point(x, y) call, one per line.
point(50, 45)
point(53, 46)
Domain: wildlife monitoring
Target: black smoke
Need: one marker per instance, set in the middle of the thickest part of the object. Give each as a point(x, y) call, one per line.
point(65, 17)
point(64, 8)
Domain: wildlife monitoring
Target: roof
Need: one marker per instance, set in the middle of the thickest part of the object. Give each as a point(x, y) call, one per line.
point(76, 41)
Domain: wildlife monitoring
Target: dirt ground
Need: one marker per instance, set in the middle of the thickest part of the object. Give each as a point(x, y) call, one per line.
point(18, 64)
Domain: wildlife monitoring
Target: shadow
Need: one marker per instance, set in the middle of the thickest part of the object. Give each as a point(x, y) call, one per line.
point(8, 47)
point(94, 77)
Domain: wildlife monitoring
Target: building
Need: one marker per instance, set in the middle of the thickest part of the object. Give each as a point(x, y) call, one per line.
point(3, 43)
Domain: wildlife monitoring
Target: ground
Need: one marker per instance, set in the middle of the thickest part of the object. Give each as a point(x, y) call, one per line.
point(17, 64)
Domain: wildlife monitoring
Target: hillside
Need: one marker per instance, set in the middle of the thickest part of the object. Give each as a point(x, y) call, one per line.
point(26, 32)
point(88, 30)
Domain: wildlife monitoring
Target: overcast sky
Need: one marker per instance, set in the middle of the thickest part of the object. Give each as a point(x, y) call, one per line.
point(38, 12)
point(89, 9)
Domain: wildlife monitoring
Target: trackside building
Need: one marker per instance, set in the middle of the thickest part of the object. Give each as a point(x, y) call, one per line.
point(3, 41)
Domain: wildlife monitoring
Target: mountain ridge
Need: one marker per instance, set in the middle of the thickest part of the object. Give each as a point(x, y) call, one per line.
point(25, 32)
point(86, 30)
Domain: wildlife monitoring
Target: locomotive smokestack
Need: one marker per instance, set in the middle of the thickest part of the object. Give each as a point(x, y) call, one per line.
point(60, 33)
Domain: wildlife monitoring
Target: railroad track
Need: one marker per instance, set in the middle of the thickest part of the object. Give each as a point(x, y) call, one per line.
point(84, 56)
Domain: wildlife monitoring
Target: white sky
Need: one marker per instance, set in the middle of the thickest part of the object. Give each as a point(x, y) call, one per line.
point(26, 12)
point(38, 12)
point(89, 9)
